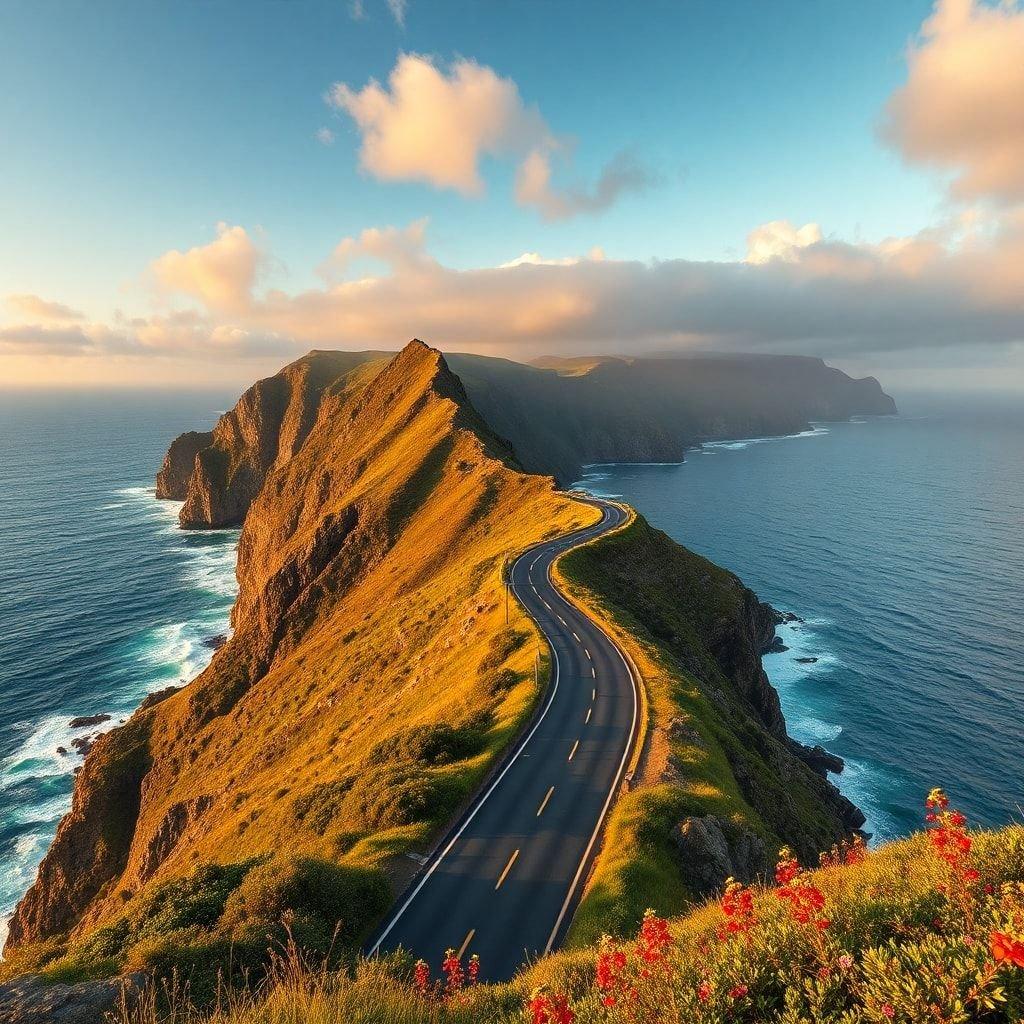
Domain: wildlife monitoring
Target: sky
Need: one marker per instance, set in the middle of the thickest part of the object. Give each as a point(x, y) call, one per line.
point(196, 193)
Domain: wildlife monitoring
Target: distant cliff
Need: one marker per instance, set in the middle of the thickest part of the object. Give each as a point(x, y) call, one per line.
point(557, 417)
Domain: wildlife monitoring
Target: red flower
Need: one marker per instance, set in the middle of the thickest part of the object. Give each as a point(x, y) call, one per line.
point(788, 867)
point(608, 974)
point(738, 909)
point(452, 967)
point(421, 977)
point(888, 1010)
point(549, 1008)
point(654, 939)
point(738, 992)
point(474, 969)
point(1006, 949)
point(704, 992)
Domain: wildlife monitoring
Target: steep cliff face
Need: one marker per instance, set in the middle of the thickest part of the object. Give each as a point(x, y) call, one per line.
point(266, 428)
point(557, 417)
point(176, 471)
point(370, 680)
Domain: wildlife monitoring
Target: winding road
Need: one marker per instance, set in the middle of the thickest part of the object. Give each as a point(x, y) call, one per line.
point(505, 880)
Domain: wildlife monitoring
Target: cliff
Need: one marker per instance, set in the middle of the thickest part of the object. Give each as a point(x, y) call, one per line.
point(371, 681)
point(557, 417)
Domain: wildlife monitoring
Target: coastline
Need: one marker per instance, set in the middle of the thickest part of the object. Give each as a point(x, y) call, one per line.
point(36, 778)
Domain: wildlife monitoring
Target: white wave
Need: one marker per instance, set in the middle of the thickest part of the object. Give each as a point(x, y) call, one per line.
point(37, 757)
point(745, 442)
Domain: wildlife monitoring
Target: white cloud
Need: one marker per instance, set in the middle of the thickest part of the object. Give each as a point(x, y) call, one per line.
point(324, 136)
point(221, 274)
point(962, 107)
point(437, 126)
point(36, 309)
point(780, 240)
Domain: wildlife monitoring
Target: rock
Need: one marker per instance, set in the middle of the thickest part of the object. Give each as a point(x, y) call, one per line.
point(177, 819)
point(158, 697)
point(85, 720)
point(83, 744)
point(63, 751)
point(805, 661)
point(712, 850)
point(172, 480)
point(775, 646)
point(30, 1000)
point(216, 642)
point(821, 760)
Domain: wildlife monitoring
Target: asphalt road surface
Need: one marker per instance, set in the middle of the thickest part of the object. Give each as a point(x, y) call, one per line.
point(505, 880)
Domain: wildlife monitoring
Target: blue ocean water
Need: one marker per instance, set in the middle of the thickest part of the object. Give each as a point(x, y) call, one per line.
point(102, 598)
point(900, 542)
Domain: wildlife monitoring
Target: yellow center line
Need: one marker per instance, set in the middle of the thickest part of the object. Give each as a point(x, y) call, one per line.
point(466, 942)
point(508, 868)
point(562, 621)
point(590, 711)
point(544, 802)
point(546, 605)
point(593, 672)
point(586, 651)
point(593, 694)
point(575, 637)
point(572, 753)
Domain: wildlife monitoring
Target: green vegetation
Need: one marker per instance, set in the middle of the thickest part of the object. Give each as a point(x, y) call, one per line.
point(929, 929)
point(224, 921)
point(691, 627)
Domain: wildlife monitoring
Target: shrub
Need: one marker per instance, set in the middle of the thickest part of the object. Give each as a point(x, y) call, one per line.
point(322, 803)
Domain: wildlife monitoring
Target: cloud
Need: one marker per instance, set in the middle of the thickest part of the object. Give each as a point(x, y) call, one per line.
point(437, 126)
point(533, 186)
point(34, 339)
point(957, 288)
point(37, 309)
point(220, 274)
point(357, 10)
point(324, 136)
point(398, 9)
point(959, 285)
point(962, 107)
point(780, 240)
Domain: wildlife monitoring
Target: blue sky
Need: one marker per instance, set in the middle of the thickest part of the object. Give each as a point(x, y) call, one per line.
point(130, 129)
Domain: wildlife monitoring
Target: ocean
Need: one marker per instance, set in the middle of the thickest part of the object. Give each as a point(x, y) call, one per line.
point(102, 598)
point(899, 541)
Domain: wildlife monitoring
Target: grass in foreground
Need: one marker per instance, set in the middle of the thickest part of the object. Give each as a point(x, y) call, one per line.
point(929, 929)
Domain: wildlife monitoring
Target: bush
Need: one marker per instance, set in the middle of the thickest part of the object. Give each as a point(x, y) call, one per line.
point(430, 744)
point(322, 897)
point(322, 804)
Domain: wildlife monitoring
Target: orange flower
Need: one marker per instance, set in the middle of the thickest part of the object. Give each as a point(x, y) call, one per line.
point(1007, 950)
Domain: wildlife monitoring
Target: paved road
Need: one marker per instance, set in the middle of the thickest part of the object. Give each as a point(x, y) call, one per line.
point(505, 881)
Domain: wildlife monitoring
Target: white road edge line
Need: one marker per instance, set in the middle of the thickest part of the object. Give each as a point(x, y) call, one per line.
point(476, 808)
point(611, 793)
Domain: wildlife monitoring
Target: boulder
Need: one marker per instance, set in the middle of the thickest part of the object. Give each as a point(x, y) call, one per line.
point(86, 720)
point(712, 850)
point(30, 1000)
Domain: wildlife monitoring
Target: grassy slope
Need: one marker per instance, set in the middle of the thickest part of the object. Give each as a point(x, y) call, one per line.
point(665, 606)
point(391, 691)
point(895, 949)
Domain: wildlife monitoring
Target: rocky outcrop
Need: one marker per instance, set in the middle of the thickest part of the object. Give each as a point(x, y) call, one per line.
point(30, 1000)
point(711, 850)
point(179, 817)
point(172, 480)
point(266, 428)
point(557, 417)
point(93, 840)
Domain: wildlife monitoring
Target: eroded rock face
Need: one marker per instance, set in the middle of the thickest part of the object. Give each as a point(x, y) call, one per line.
point(29, 1000)
point(712, 850)
point(176, 821)
point(172, 480)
